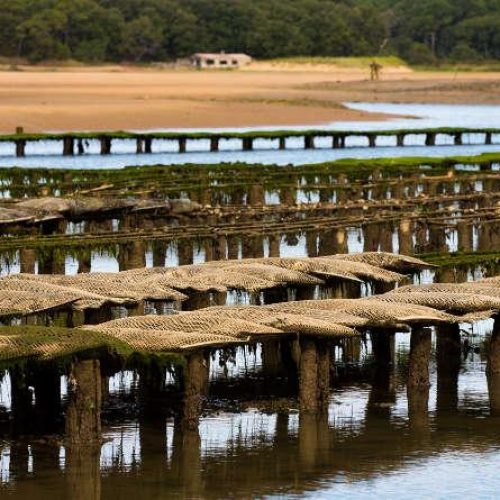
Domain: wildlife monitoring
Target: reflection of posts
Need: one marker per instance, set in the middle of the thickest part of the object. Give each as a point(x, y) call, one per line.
point(382, 394)
point(186, 461)
point(493, 371)
point(83, 431)
point(449, 350)
point(418, 377)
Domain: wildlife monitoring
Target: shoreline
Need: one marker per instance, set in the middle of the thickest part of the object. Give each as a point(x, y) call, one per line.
point(146, 99)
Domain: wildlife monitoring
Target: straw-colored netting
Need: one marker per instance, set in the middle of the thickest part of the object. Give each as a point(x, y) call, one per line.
point(93, 290)
point(14, 303)
point(46, 342)
point(462, 298)
point(457, 303)
point(392, 261)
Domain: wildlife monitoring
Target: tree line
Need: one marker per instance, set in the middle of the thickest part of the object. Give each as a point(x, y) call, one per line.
point(419, 31)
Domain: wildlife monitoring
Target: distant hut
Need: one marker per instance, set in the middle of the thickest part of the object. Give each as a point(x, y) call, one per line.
point(220, 60)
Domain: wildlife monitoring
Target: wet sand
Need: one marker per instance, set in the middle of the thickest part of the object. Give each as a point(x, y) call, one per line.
point(110, 98)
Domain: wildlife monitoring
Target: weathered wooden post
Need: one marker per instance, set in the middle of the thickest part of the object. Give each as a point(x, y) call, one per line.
point(20, 147)
point(372, 140)
point(148, 145)
point(247, 143)
point(47, 385)
point(493, 370)
point(282, 143)
point(182, 144)
point(80, 147)
point(214, 144)
point(308, 375)
point(449, 351)
point(457, 138)
point(309, 142)
point(430, 139)
point(68, 146)
point(139, 145)
point(335, 141)
point(488, 138)
point(400, 140)
point(418, 376)
point(83, 415)
point(195, 386)
point(83, 431)
point(105, 145)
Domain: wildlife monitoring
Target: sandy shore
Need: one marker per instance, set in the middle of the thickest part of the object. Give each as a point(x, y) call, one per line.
point(112, 98)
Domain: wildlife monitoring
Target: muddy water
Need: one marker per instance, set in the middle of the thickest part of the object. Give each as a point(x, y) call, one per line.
point(251, 439)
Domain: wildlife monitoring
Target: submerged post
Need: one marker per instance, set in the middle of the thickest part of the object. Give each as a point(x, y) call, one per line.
point(195, 387)
point(214, 144)
point(247, 143)
point(314, 375)
point(309, 142)
point(105, 145)
point(418, 376)
point(493, 370)
point(430, 139)
point(83, 416)
point(20, 147)
point(68, 146)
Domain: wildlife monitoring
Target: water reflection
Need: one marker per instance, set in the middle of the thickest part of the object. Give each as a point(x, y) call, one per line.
point(400, 403)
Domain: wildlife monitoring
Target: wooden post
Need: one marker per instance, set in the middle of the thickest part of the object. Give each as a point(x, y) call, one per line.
point(105, 145)
point(182, 144)
point(195, 384)
point(139, 148)
point(148, 145)
point(68, 146)
point(430, 139)
point(458, 138)
point(342, 141)
point(247, 143)
point(83, 416)
point(323, 374)
point(372, 140)
point(308, 376)
point(214, 144)
point(400, 140)
point(493, 370)
point(487, 138)
point(282, 141)
point(418, 376)
point(309, 142)
point(80, 147)
point(20, 147)
point(19, 130)
point(449, 351)
point(335, 141)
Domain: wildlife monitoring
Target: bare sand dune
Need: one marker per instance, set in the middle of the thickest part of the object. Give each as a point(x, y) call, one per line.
point(109, 98)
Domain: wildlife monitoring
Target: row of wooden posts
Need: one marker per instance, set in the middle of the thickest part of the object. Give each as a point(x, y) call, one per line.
point(72, 145)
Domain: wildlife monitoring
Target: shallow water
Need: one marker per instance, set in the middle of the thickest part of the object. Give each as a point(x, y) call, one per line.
point(164, 152)
point(367, 444)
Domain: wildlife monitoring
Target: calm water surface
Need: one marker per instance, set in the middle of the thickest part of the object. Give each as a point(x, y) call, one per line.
point(46, 154)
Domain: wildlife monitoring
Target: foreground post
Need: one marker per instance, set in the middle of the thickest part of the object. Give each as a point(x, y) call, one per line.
point(314, 375)
point(493, 370)
point(449, 350)
point(195, 387)
point(418, 376)
point(83, 431)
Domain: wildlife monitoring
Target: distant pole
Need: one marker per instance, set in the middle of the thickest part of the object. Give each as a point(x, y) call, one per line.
point(19, 130)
